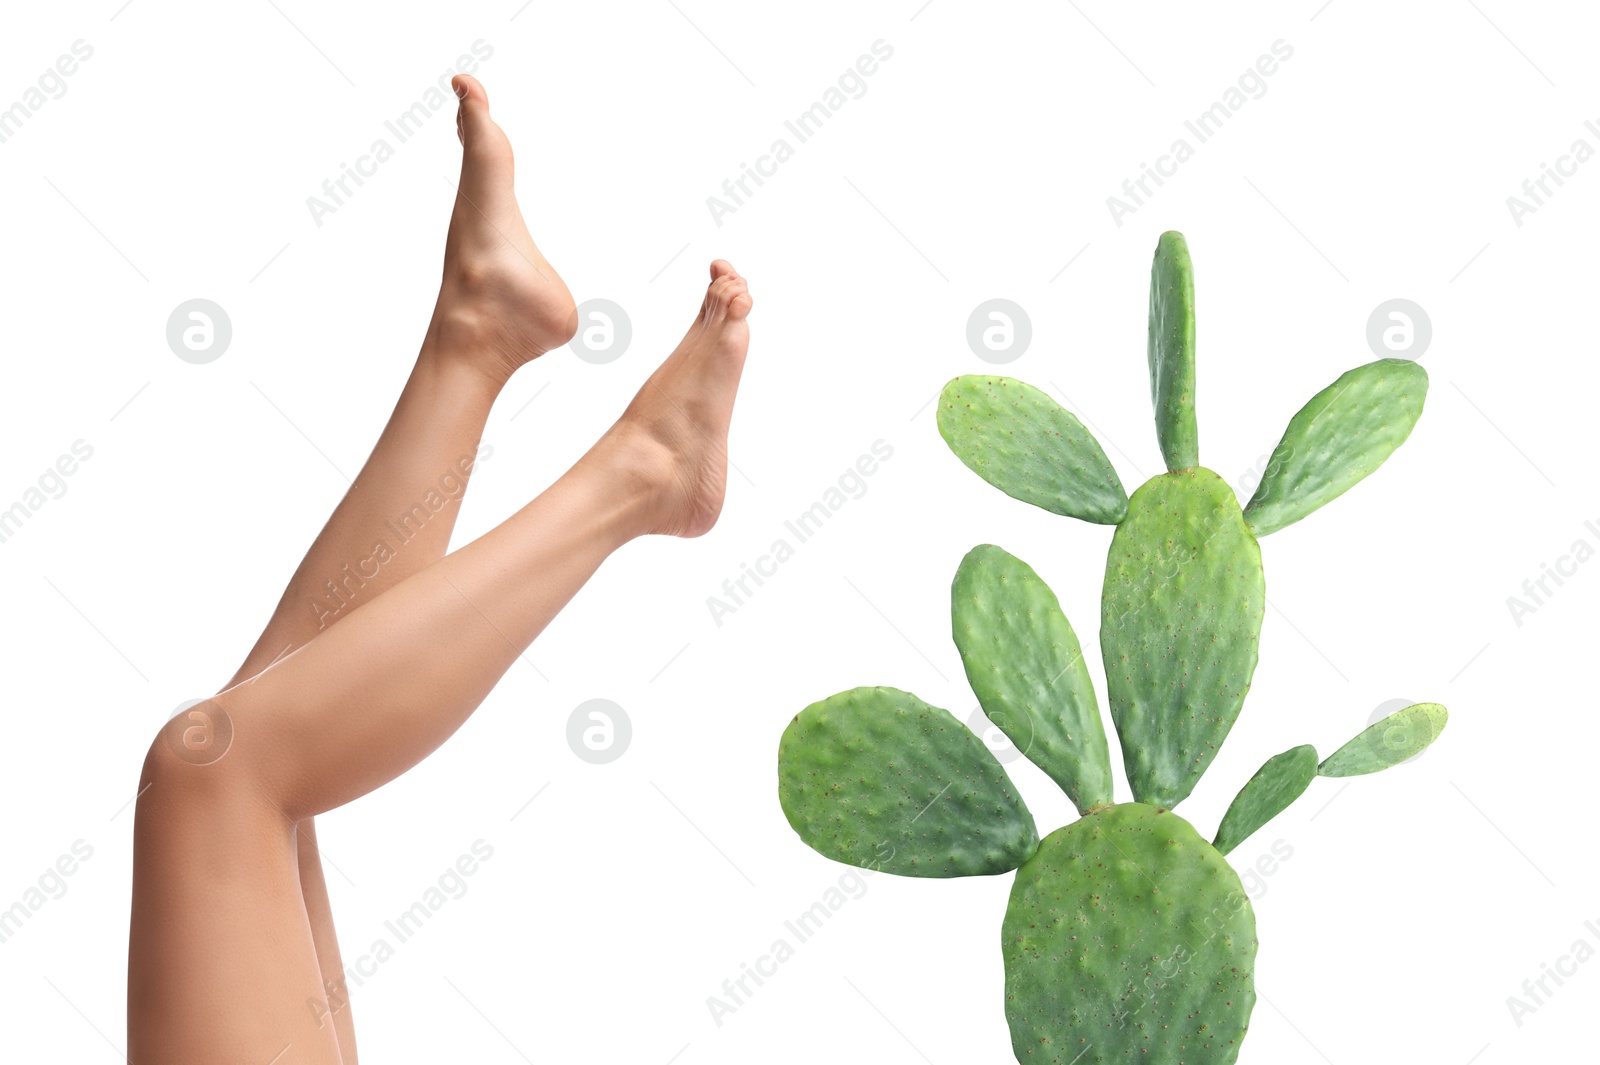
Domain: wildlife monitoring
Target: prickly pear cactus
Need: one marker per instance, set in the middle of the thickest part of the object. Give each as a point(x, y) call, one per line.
point(1128, 936)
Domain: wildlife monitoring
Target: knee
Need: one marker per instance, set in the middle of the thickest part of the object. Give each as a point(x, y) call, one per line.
point(190, 753)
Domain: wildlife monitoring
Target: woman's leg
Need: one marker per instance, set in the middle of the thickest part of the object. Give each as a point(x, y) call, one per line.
point(222, 961)
point(500, 305)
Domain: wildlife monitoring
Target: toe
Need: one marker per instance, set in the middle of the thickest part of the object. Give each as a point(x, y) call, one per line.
point(486, 144)
point(729, 296)
point(470, 88)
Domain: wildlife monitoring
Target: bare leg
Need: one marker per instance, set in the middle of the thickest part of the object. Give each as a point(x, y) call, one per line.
point(427, 449)
point(222, 963)
point(500, 305)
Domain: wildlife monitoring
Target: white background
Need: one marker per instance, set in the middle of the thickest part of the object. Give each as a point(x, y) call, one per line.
point(1377, 165)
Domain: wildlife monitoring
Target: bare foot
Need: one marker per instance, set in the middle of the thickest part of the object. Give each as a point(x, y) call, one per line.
point(673, 438)
point(501, 303)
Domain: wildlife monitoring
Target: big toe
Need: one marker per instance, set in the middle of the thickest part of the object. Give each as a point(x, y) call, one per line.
point(487, 147)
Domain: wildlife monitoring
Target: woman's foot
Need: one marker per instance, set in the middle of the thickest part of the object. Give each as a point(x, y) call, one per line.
point(672, 441)
point(501, 304)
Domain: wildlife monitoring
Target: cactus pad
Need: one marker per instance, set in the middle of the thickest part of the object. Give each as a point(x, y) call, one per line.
point(1403, 734)
point(1171, 352)
point(1340, 436)
point(1030, 447)
point(876, 777)
point(1023, 661)
point(1128, 938)
point(1180, 618)
point(1282, 780)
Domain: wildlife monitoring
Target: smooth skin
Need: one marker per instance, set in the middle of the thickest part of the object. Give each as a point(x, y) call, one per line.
point(232, 951)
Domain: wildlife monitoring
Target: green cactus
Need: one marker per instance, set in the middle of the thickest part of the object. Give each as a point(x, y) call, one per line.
point(1128, 936)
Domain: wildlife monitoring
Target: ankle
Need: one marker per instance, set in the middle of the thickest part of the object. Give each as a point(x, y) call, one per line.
point(450, 363)
point(467, 334)
point(639, 473)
